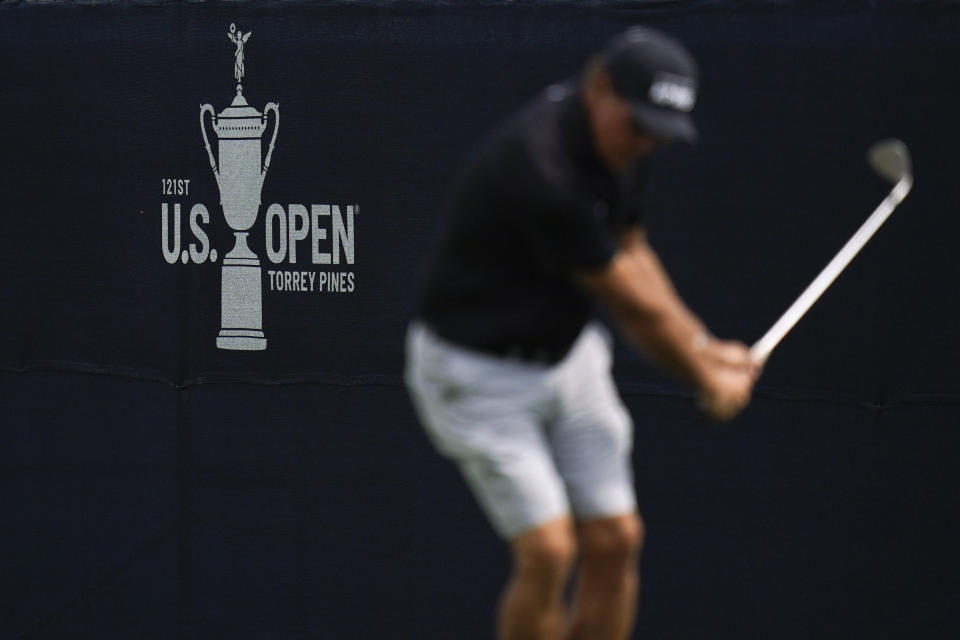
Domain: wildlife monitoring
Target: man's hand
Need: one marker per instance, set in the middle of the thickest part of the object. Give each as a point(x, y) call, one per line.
point(635, 287)
point(727, 377)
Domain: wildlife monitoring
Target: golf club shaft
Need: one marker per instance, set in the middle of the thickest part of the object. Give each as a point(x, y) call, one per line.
point(760, 351)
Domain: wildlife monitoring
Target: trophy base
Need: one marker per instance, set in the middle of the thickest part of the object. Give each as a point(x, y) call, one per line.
point(241, 319)
point(241, 340)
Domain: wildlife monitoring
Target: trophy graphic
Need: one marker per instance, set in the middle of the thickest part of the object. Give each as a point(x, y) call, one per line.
point(240, 174)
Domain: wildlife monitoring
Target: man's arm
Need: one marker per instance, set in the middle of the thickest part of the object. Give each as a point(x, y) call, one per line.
point(636, 288)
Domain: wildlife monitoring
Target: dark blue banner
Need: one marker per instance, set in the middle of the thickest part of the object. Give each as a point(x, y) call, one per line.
point(215, 217)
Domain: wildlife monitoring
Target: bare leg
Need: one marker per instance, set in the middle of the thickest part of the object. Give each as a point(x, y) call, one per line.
point(605, 601)
point(532, 605)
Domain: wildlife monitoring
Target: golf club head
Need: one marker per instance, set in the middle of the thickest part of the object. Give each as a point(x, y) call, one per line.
point(890, 158)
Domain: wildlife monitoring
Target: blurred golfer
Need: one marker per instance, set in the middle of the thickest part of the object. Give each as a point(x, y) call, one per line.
point(509, 373)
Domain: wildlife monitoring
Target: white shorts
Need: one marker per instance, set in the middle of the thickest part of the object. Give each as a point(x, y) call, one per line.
point(534, 442)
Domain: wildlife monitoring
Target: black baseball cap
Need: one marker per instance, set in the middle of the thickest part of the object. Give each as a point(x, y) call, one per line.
point(658, 76)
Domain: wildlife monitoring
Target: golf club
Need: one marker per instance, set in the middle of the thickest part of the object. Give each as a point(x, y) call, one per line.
point(889, 158)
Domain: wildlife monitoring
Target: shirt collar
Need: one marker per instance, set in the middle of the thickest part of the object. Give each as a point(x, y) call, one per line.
point(575, 129)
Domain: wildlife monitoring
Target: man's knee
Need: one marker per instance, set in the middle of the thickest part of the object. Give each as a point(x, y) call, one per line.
point(546, 553)
point(612, 539)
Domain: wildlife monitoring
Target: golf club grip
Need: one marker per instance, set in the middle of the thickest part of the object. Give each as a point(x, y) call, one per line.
point(760, 351)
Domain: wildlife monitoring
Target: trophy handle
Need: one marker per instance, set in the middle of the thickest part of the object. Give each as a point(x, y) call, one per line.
point(206, 143)
point(271, 106)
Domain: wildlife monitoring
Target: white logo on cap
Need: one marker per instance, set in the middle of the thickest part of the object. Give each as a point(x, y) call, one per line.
point(675, 92)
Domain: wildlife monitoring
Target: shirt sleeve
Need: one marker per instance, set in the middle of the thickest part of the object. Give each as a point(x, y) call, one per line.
point(566, 227)
point(571, 234)
point(633, 187)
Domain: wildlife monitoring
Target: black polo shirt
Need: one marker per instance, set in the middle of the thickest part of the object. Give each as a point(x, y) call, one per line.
point(532, 208)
